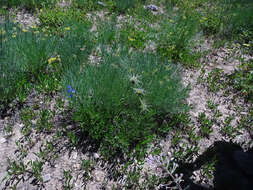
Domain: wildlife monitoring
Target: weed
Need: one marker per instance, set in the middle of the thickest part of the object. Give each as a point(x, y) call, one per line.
point(68, 177)
point(174, 40)
point(215, 80)
point(242, 80)
point(28, 4)
point(205, 125)
point(109, 114)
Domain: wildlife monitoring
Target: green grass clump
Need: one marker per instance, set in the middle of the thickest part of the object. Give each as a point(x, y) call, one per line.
point(228, 18)
point(24, 57)
point(118, 101)
point(55, 18)
point(174, 39)
point(28, 4)
point(88, 5)
point(123, 5)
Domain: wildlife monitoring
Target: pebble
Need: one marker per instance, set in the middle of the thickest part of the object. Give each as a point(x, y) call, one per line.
point(151, 7)
point(99, 175)
point(96, 156)
point(46, 178)
point(2, 140)
point(74, 155)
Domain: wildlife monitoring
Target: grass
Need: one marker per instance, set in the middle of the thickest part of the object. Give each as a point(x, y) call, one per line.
point(114, 91)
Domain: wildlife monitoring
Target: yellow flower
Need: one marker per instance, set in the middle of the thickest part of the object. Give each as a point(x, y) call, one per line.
point(131, 39)
point(67, 28)
point(247, 45)
point(53, 59)
point(24, 30)
point(36, 32)
point(2, 32)
point(14, 35)
point(33, 26)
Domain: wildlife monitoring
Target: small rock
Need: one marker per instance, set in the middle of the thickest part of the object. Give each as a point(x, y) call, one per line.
point(46, 178)
point(99, 175)
point(151, 7)
point(101, 3)
point(2, 140)
point(96, 156)
point(74, 155)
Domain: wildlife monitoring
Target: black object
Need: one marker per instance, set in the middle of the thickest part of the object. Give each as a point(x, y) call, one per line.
point(233, 167)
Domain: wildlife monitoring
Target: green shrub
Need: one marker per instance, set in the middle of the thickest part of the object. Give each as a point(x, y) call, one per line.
point(242, 80)
point(28, 57)
point(24, 54)
point(118, 101)
point(123, 5)
point(133, 37)
point(88, 5)
point(55, 18)
point(227, 18)
point(29, 4)
point(174, 39)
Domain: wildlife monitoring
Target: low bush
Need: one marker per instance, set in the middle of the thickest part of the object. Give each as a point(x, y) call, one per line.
point(55, 18)
point(24, 54)
point(174, 40)
point(118, 101)
point(29, 4)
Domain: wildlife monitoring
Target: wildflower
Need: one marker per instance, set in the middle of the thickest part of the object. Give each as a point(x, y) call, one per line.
point(131, 39)
point(33, 26)
point(70, 91)
point(53, 59)
point(67, 28)
point(144, 106)
point(247, 45)
point(24, 30)
point(134, 79)
point(139, 91)
point(14, 35)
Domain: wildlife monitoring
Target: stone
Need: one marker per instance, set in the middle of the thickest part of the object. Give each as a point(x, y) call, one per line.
point(2, 140)
point(46, 178)
point(151, 7)
point(74, 155)
point(96, 156)
point(99, 175)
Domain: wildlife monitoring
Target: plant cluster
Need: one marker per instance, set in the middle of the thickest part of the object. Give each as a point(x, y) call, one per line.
point(118, 101)
point(28, 4)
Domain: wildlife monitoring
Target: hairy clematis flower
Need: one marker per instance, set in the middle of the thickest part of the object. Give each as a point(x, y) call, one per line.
point(134, 79)
point(139, 91)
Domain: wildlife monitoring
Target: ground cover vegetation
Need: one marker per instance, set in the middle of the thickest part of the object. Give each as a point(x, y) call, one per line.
point(107, 78)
